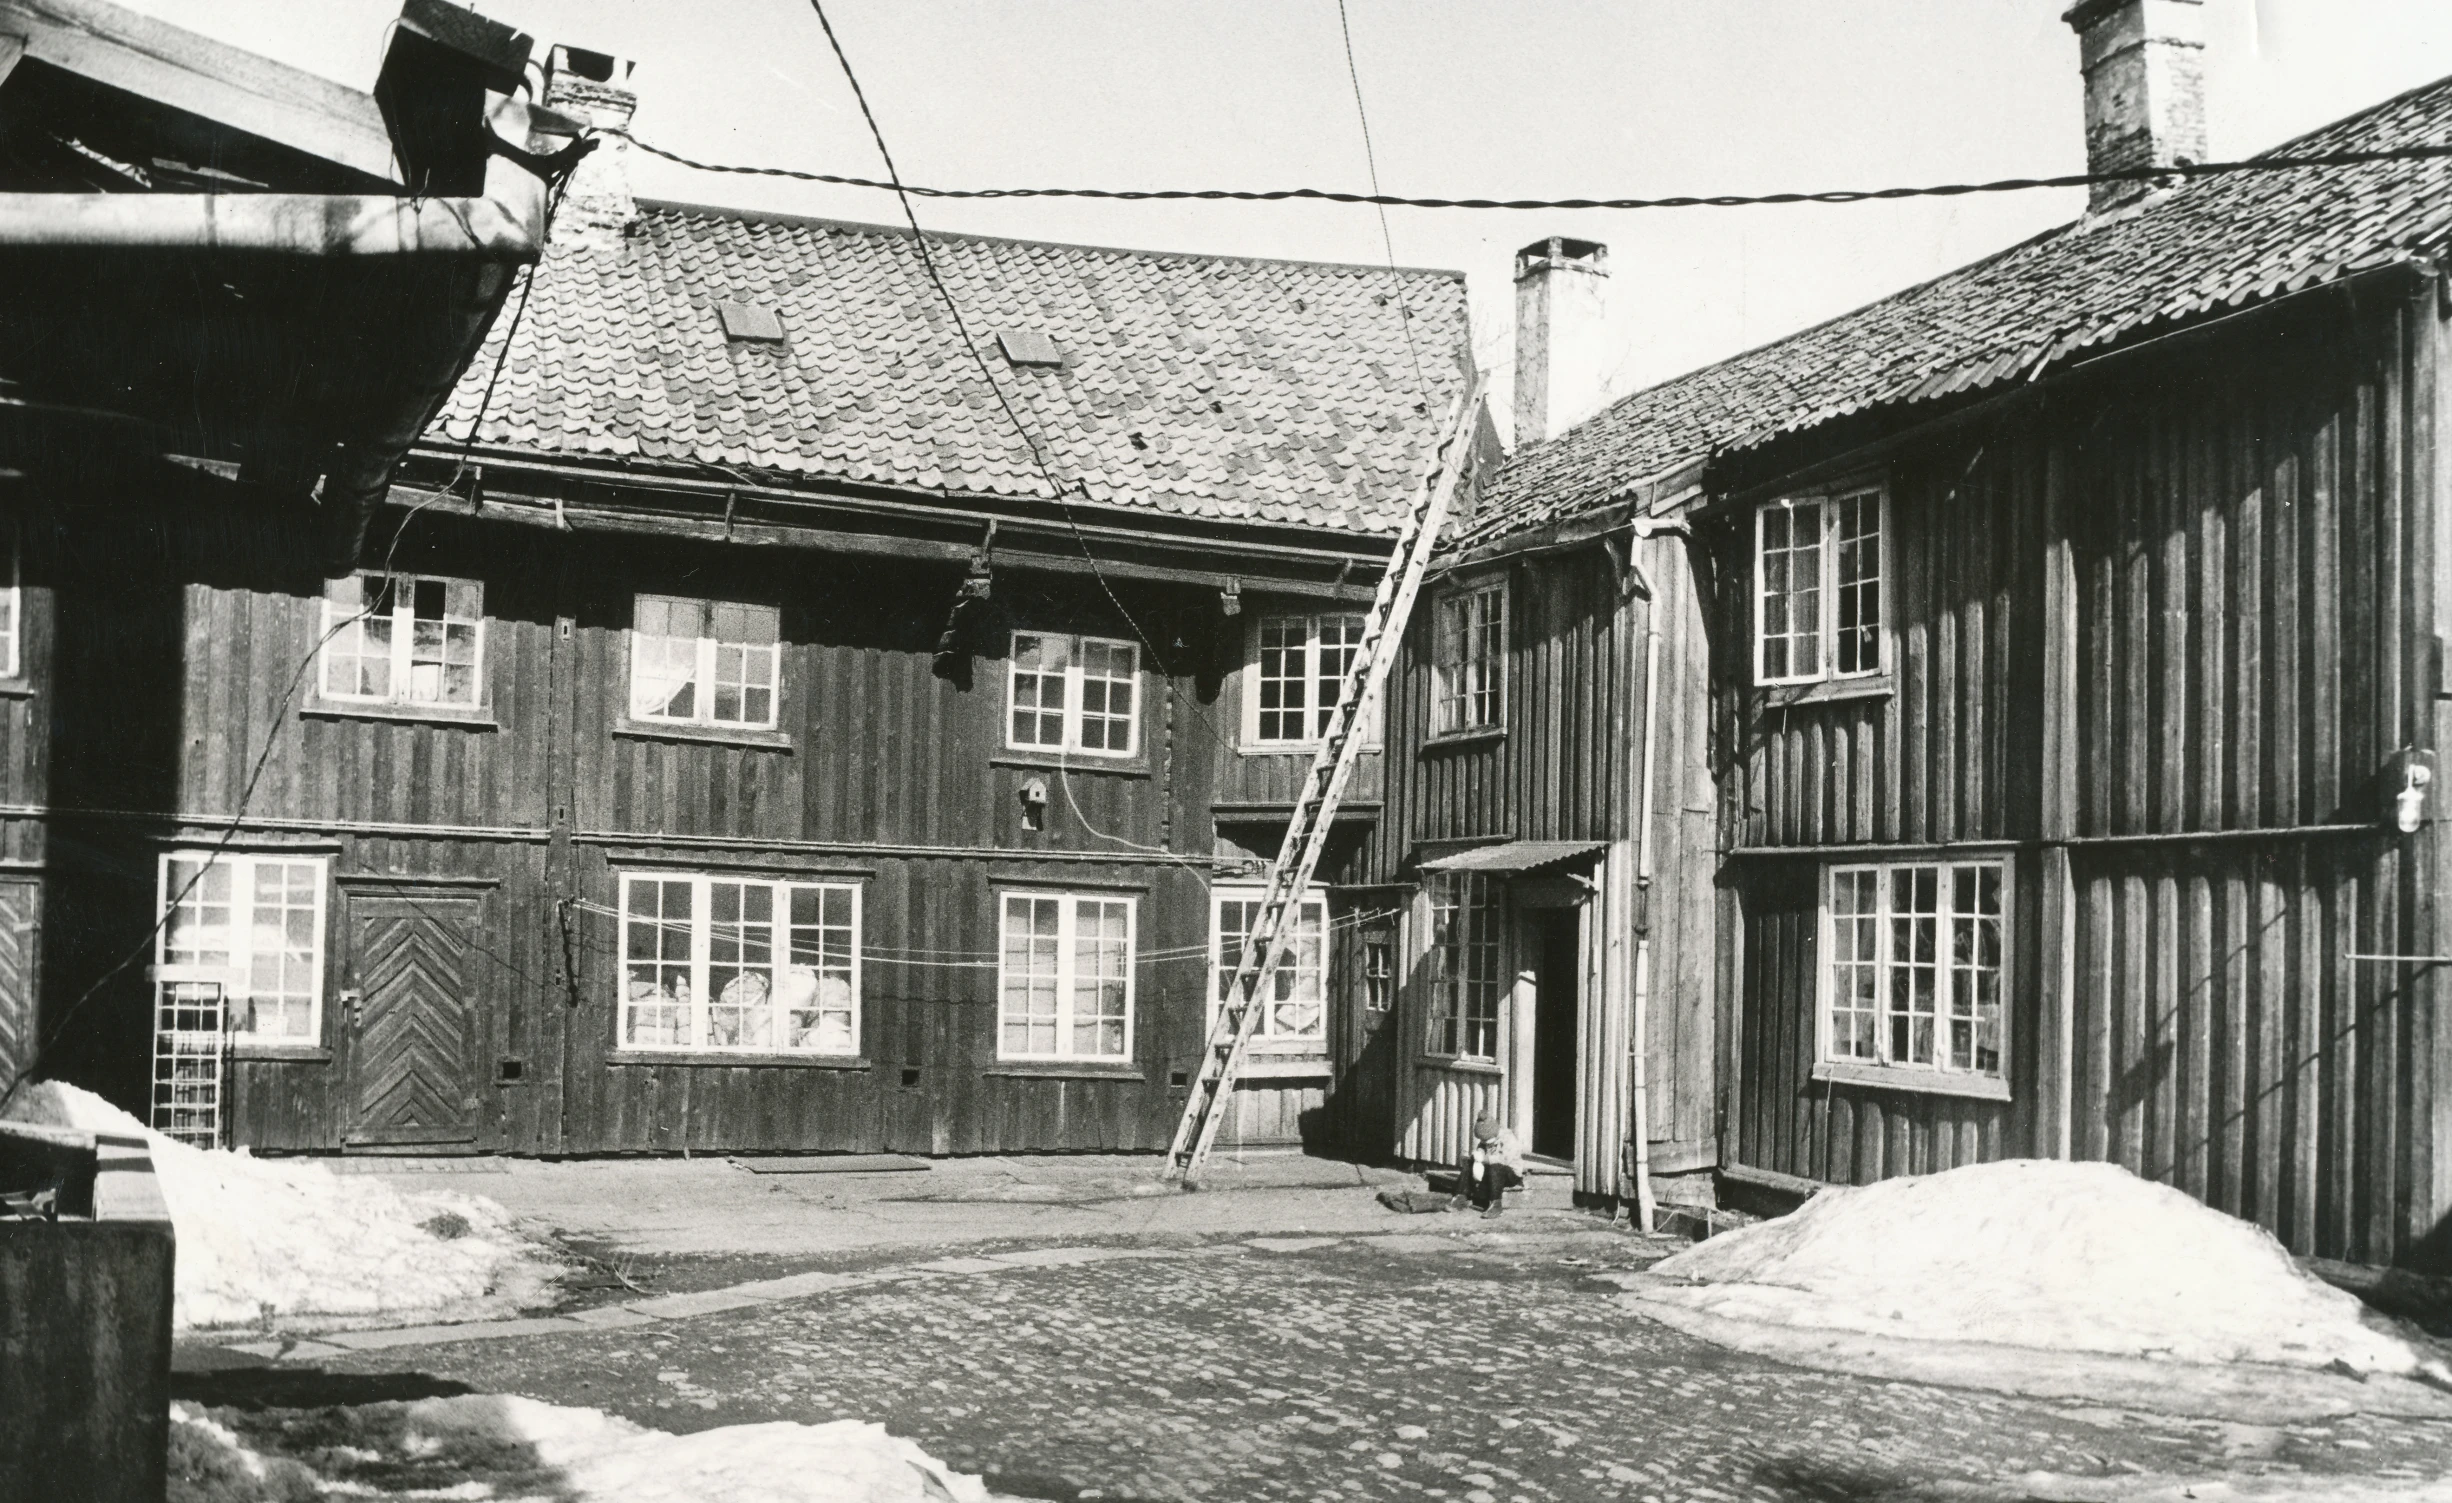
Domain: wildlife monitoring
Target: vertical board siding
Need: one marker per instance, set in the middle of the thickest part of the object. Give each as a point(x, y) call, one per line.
point(2251, 547)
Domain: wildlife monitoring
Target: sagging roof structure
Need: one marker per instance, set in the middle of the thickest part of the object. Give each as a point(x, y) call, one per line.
point(812, 364)
point(209, 256)
point(2192, 253)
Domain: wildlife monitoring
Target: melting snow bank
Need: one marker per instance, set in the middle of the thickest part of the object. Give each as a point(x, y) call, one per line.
point(489, 1447)
point(262, 1239)
point(2036, 1253)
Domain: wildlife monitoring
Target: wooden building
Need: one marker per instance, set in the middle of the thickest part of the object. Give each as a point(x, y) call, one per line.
point(740, 731)
point(2058, 646)
point(231, 297)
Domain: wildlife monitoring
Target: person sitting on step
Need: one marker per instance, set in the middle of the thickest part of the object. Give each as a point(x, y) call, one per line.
point(1494, 1166)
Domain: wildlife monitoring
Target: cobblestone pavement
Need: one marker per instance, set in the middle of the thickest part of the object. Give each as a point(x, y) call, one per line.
point(1338, 1373)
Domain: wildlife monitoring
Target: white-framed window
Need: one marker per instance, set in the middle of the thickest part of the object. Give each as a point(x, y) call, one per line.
point(1294, 995)
point(725, 964)
point(1818, 569)
point(256, 923)
point(1073, 694)
point(12, 608)
point(1296, 676)
point(705, 662)
point(1470, 659)
point(407, 639)
point(1064, 978)
point(1463, 960)
point(1917, 955)
point(1378, 971)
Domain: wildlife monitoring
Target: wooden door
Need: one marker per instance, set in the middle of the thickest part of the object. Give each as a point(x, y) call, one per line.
point(1362, 1010)
point(413, 1043)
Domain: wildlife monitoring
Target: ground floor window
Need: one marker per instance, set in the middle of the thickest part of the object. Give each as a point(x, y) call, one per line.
point(739, 964)
point(1915, 962)
point(255, 923)
point(1463, 966)
point(1294, 997)
point(1064, 977)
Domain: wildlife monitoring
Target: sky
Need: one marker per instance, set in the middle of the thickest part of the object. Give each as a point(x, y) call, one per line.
point(1500, 99)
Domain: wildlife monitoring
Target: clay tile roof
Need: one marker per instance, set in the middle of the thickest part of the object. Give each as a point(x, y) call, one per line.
point(2212, 244)
point(1205, 387)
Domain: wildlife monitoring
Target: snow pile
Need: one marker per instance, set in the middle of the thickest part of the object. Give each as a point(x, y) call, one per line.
point(484, 1446)
point(260, 1239)
point(2035, 1253)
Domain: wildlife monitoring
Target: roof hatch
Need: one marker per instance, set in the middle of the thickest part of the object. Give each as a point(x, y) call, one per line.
point(750, 323)
point(1030, 347)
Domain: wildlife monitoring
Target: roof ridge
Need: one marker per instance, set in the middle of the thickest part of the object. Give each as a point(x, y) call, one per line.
point(2296, 142)
point(819, 221)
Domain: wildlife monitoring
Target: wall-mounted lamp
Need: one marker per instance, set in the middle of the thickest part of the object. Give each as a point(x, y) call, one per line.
point(2409, 802)
point(1230, 597)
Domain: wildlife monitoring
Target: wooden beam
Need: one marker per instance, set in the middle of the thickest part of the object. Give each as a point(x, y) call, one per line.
point(12, 48)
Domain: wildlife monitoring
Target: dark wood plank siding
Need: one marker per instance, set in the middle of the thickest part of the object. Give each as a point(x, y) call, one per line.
point(2250, 536)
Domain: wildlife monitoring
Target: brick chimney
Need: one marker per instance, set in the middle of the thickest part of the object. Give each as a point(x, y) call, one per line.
point(2144, 62)
point(594, 89)
point(1557, 334)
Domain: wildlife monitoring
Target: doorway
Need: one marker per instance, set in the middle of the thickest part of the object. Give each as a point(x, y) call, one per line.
point(412, 1048)
point(1557, 989)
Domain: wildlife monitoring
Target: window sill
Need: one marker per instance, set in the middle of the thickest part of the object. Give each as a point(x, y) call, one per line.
point(1918, 1082)
point(1056, 1069)
point(1258, 1066)
point(1473, 737)
point(294, 1054)
point(1826, 691)
point(1129, 767)
point(1294, 748)
point(476, 719)
point(710, 735)
point(1461, 1066)
point(16, 688)
point(723, 1059)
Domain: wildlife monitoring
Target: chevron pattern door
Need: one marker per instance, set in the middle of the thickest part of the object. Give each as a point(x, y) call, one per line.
point(413, 1048)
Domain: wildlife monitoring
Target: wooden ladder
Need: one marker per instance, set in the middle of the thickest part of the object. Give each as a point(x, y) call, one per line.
point(1239, 1013)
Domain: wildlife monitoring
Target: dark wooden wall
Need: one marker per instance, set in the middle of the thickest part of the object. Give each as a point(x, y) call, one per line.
point(165, 646)
point(2158, 636)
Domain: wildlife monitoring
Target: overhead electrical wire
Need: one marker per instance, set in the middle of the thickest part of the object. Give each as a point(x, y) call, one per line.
point(1370, 160)
point(2178, 172)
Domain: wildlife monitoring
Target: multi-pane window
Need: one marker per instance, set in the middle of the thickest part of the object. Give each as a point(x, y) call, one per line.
point(1914, 977)
point(1471, 659)
point(1818, 587)
point(734, 964)
point(12, 616)
point(1294, 995)
point(1463, 962)
point(1073, 694)
point(705, 662)
point(258, 922)
point(1299, 676)
point(407, 639)
point(1064, 982)
point(1378, 972)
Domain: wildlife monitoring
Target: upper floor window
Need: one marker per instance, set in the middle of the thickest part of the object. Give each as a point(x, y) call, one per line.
point(1294, 995)
point(254, 925)
point(1471, 660)
point(1298, 676)
point(705, 662)
point(411, 639)
point(1818, 587)
point(1914, 975)
point(1073, 694)
point(1463, 961)
point(739, 964)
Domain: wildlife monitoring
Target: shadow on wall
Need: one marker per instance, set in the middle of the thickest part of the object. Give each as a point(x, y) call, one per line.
point(116, 559)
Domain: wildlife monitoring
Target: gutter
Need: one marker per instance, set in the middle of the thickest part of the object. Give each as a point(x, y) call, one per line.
point(285, 224)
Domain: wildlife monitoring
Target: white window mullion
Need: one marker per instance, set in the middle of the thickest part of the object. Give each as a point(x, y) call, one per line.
point(1066, 930)
point(702, 895)
point(779, 960)
point(1076, 683)
point(1885, 980)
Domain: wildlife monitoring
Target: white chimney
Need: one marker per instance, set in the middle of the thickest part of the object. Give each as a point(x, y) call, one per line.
point(594, 89)
point(1557, 334)
point(2144, 62)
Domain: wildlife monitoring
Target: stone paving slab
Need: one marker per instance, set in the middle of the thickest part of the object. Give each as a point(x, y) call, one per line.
point(1291, 1244)
point(705, 1302)
point(610, 1317)
point(962, 1265)
point(792, 1286)
point(1058, 1257)
point(474, 1330)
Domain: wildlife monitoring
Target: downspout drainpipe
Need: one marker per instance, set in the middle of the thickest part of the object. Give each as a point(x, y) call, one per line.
point(1639, 1129)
